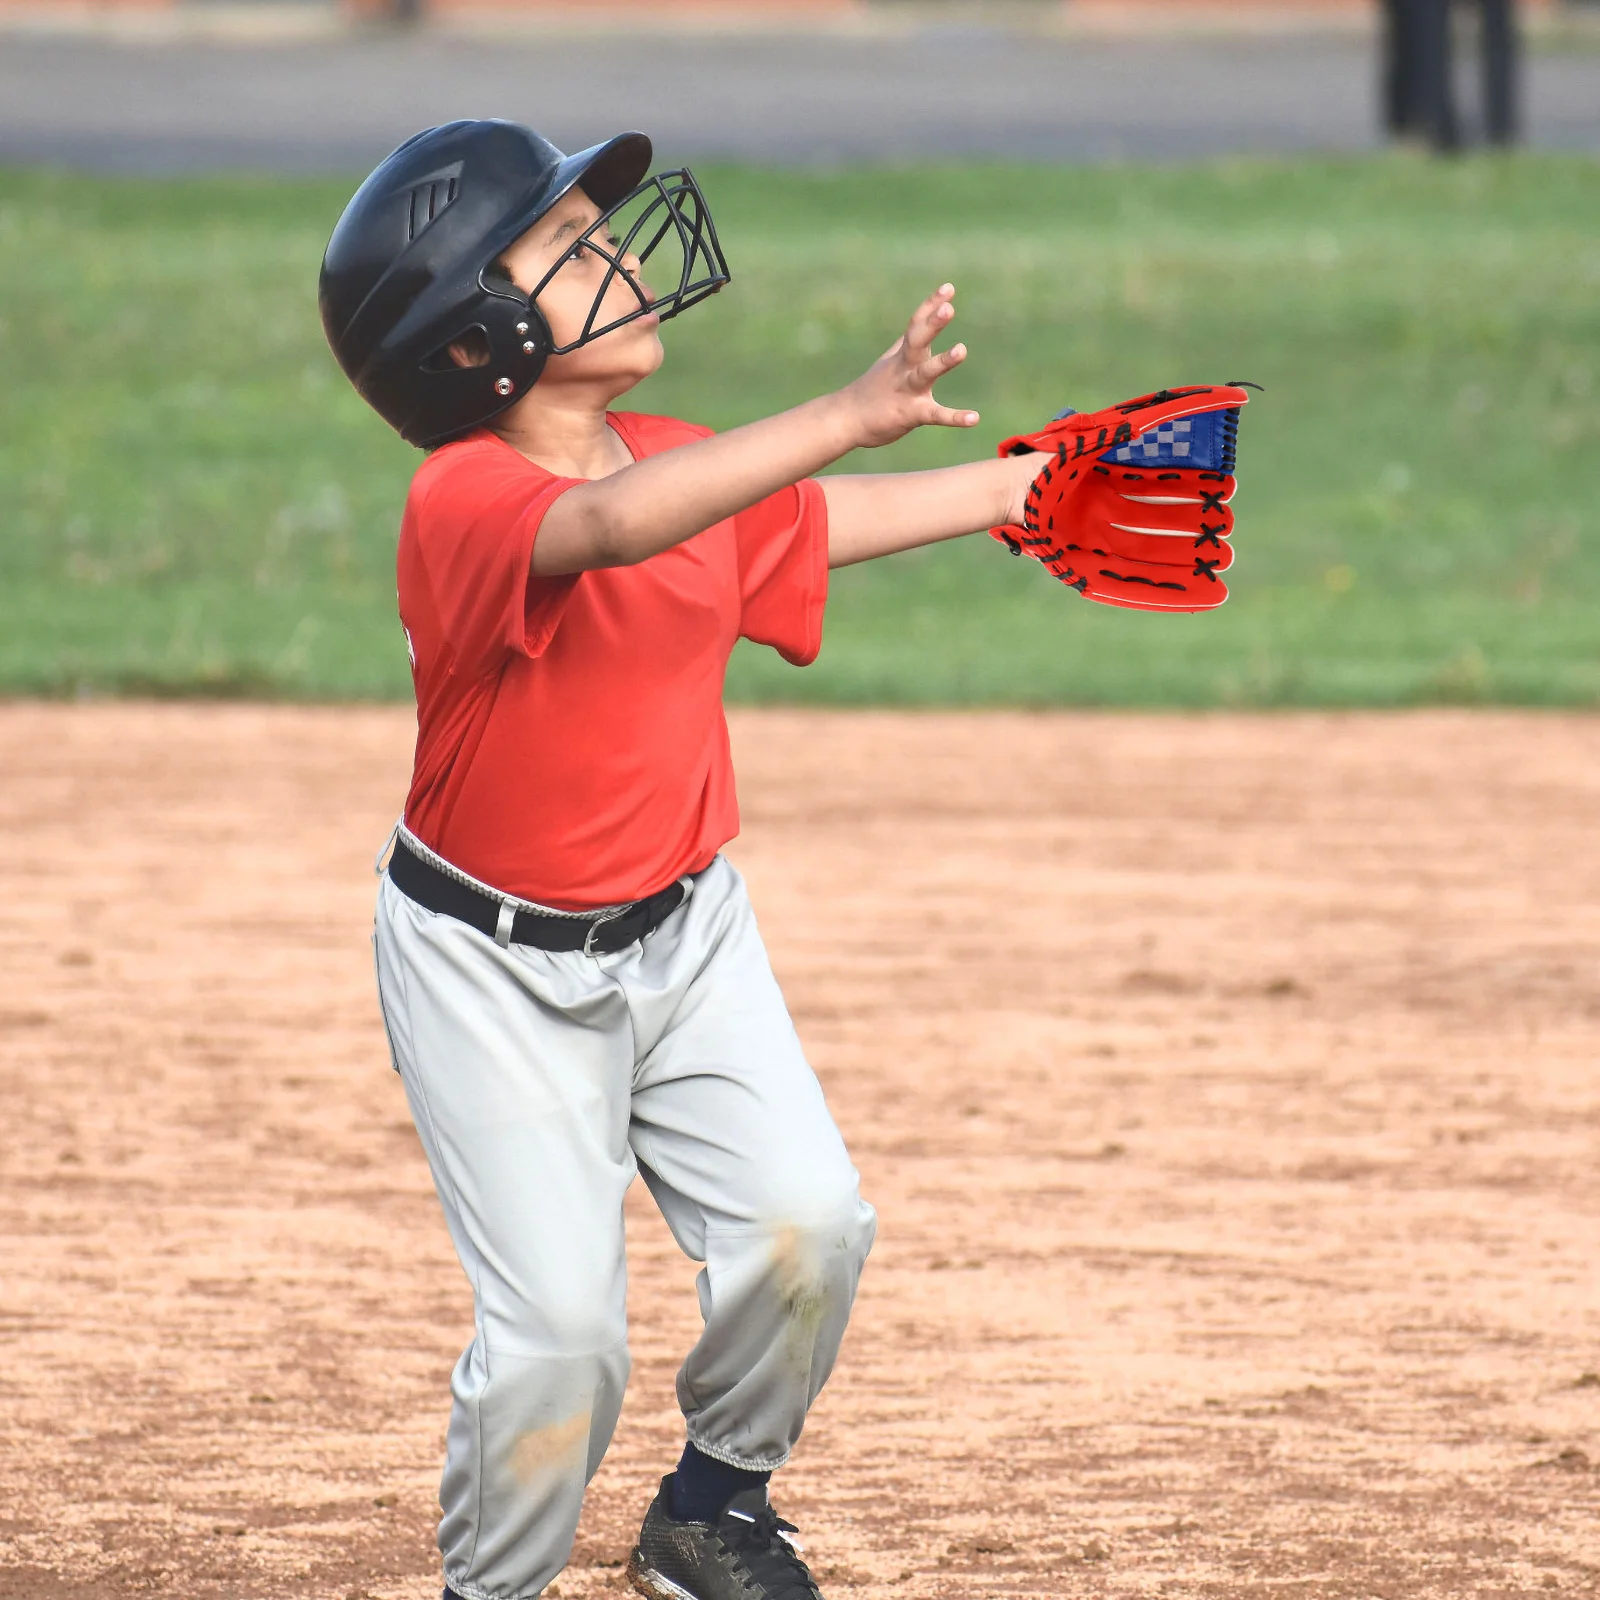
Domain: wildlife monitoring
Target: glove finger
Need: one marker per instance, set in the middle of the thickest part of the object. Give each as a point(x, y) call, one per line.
point(1174, 486)
point(1121, 556)
point(1136, 598)
point(1151, 547)
point(1141, 586)
point(1181, 518)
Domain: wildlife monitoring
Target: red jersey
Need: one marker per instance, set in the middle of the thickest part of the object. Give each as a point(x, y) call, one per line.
point(571, 743)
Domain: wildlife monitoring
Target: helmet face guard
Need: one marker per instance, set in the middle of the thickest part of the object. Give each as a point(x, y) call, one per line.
point(666, 215)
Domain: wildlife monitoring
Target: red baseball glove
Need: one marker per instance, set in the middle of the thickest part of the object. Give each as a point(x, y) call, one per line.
point(1132, 508)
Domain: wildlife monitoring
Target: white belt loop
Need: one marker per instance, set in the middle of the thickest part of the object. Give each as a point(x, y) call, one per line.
point(503, 923)
point(380, 860)
point(688, 889)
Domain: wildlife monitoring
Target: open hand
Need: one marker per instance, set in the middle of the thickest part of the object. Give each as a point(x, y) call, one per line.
point(895, 394)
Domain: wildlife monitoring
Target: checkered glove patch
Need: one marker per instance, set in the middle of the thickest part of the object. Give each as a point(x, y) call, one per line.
point(1158, 447)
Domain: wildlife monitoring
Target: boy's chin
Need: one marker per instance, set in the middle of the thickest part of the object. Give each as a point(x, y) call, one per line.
point(649, 352)
point(649, 355)
point(618, 368)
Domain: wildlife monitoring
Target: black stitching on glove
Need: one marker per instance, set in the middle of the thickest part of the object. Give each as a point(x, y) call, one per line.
point(1160, 398)
point(1150, 583)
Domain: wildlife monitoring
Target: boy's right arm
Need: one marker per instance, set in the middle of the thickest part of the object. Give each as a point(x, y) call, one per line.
point(661, 501)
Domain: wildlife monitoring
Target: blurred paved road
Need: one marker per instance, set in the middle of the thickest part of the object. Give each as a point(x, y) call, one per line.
point(339, 104)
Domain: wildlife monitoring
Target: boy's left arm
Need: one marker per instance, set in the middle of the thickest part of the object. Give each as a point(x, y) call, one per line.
point(880, 513)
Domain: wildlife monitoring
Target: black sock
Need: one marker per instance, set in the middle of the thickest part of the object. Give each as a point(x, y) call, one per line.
point(699, 1491)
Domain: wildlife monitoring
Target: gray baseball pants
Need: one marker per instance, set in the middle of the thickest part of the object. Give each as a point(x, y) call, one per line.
point(540, 1082)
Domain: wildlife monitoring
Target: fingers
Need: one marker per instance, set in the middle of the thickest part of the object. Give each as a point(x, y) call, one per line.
point(926, 322)
point(934, 314)
point(935, 367)
point(945, 417)
point(900, 383)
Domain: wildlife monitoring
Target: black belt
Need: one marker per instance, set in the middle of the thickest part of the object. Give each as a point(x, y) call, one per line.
point(603, 934)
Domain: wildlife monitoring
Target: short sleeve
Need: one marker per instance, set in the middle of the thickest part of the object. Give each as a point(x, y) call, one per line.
point(783, 571)
point(475, 530)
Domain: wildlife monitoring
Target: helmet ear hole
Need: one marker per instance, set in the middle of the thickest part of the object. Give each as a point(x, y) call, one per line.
point(469, 348)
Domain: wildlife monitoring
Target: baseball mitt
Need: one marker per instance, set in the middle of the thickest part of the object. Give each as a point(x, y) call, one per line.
point(1131, 508)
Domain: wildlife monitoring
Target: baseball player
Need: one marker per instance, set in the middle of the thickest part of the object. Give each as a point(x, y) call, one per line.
point(570, 973)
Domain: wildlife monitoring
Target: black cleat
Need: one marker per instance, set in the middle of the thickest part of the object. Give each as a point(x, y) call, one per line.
point(744, 1555)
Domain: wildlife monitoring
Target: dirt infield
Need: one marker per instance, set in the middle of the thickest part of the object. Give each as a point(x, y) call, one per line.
point(1227, 1088)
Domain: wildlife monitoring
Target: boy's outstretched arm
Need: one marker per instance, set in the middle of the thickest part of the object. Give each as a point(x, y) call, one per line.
point(663, 500)
point(876, 515)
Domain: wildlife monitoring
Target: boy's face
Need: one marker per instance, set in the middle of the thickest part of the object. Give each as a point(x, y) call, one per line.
point(631, 352)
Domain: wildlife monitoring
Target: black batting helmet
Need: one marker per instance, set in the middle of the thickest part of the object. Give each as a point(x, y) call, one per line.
point(411, 265)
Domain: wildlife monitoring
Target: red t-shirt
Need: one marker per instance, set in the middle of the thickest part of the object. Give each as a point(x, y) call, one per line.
point(571, 744)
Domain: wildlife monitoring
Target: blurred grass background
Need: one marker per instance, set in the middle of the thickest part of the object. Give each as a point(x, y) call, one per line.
point(194, 502)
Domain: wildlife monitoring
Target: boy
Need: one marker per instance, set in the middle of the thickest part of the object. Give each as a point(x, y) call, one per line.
point(569, 970)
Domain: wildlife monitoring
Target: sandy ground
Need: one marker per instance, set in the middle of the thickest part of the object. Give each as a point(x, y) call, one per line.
point(1226, 1087)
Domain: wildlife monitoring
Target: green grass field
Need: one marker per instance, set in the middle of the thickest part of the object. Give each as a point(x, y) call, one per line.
point(193, 502)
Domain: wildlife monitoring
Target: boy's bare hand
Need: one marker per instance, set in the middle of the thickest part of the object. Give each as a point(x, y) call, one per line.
point(895, 394)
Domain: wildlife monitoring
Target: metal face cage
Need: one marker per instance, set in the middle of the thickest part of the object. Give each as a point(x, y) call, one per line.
point(668, 213)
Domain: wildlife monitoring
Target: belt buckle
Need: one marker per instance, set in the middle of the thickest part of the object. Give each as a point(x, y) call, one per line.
point(596, 926)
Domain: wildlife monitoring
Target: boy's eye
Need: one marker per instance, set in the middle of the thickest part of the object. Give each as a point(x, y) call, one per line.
point(587, 250)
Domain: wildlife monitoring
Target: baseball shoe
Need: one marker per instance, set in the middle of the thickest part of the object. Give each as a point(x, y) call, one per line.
point(745, 1554)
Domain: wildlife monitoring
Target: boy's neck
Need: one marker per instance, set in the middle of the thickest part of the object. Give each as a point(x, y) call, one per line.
point(566, 434)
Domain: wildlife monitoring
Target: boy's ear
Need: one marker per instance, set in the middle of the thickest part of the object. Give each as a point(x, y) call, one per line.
point(471, 349)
